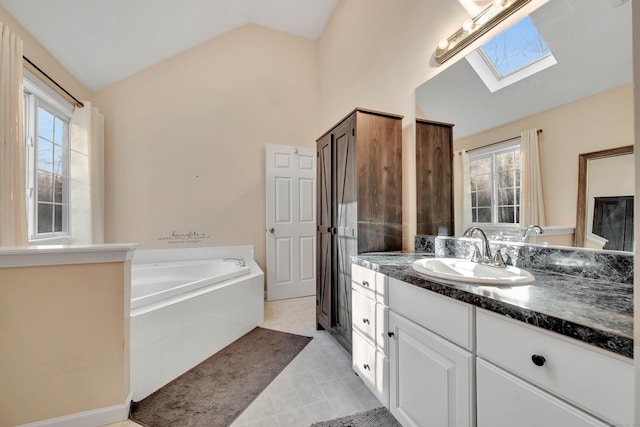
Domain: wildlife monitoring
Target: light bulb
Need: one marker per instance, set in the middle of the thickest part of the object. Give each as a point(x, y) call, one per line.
point(443, 44)
point(468, 25)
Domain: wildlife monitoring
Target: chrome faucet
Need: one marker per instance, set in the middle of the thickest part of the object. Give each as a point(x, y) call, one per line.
point(527, 232)
point(240, 260)
point(486, 256)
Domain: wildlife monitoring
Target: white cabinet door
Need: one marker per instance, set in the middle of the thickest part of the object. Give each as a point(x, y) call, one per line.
point(430, 378)
point(506, 401)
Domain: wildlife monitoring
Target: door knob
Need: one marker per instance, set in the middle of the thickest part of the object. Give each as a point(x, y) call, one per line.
point(272, 230)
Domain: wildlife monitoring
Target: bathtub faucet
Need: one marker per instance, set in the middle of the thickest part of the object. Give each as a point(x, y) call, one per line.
point(239, 260)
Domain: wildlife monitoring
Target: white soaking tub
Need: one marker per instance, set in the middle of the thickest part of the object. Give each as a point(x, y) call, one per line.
point(187, 304)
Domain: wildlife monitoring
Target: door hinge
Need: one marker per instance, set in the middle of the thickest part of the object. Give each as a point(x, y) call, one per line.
point(353, 132)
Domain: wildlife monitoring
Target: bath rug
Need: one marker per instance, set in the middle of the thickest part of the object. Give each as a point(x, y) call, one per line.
point(215, 392)
point(379, 417)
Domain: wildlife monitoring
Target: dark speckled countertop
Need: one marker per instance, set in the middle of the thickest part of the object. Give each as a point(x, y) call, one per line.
point(596, 312)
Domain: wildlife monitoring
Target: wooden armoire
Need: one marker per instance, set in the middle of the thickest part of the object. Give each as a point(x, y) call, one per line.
point(434, 178)
point(359, 207)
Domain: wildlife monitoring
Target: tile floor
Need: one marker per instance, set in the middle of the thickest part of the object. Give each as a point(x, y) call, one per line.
point(317, 385)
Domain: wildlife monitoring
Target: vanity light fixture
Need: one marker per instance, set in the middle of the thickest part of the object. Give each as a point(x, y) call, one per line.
point(471, 29)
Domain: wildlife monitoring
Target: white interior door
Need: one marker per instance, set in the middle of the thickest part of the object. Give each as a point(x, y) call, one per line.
point(291, 221)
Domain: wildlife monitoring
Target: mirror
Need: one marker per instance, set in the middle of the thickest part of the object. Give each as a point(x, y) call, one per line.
point(605, 199)
point(583, 103)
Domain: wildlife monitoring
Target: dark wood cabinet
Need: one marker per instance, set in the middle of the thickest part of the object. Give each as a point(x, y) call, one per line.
point(434, 177)
point(359, 207)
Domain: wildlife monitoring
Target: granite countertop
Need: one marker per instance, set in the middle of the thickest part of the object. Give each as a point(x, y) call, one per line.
point(596, 312)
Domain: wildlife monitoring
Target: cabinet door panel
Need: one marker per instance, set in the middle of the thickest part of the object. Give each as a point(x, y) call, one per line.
point(434, 177)
point(324, 249)
point(346, 216)
point(506, 401)
point(430, 378)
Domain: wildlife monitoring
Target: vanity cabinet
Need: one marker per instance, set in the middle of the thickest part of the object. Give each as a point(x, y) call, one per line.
point(545, 370)
point(434, 177)
point(359, 207)
point(431, 378)
point(444, 362)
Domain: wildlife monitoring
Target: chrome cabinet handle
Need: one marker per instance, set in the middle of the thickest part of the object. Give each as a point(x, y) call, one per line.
point(365, 320)
point(272, 230)
point(367, 367)
point(365, 283)
point(391, 334)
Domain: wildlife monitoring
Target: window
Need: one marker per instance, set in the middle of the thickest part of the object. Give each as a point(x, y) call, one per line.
point(515, 48)
point(495, 184)
point(46, 122)
point(515, 54)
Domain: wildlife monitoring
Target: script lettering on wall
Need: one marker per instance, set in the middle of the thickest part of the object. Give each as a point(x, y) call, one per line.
point(178, 238)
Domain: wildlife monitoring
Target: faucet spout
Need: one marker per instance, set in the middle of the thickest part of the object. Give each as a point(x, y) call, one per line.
point(487, 249)
point(527, 232)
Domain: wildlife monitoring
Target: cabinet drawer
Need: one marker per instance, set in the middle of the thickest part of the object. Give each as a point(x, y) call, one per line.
point(506, 401)
point(599, 383)
point(364, 315)
point(372, 367)
point(371, 283)
point(370, 319)
point(365, 280)
point(445, 316)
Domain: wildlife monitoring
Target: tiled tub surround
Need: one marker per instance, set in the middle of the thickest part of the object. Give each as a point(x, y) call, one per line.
point(596, 312)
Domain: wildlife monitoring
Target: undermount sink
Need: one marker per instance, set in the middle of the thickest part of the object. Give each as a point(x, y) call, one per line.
point(463, 270)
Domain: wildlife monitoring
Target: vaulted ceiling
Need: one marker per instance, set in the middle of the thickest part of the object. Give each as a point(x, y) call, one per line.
point(103, 41)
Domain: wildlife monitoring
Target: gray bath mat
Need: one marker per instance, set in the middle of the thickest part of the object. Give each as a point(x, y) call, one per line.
point(216, 391)
point(379, 417)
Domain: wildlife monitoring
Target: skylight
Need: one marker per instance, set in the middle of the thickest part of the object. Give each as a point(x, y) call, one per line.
point(515, 48)
point(514, 54)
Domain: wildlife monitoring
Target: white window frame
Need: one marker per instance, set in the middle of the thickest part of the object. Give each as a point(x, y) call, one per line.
point(492, 151)
point(37, 93)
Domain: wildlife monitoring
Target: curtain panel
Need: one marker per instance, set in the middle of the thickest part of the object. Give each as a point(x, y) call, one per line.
point(86, 173)
point(13, 204)
point(462, 192)
point(531, 198)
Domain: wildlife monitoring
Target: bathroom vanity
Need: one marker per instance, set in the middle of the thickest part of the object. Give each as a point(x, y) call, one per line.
point(558, 351)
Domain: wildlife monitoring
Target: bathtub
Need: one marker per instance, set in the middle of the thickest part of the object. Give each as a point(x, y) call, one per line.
point(159, 281)
point(187, 304)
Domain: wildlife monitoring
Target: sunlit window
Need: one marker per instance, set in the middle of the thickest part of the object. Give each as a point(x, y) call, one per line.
point(47, 164)
point(515, 54)
point(517, 47)
point(495, 185)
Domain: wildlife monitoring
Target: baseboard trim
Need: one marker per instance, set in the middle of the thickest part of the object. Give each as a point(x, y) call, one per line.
point(94, 417)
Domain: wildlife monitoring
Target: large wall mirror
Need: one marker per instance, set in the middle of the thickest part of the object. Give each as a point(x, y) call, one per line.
point(583, 104)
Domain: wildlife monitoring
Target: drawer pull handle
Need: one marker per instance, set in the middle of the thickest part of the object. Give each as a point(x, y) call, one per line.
point(367, 367)
point(538, 360)
point(365, 284)
point(391, 334)
point(365, 320)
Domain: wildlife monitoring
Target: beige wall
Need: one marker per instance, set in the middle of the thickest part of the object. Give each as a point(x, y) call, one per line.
point(374, 54)
point(65, 340)
point(594, 123)
point(33, 50)
point(185, 139)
